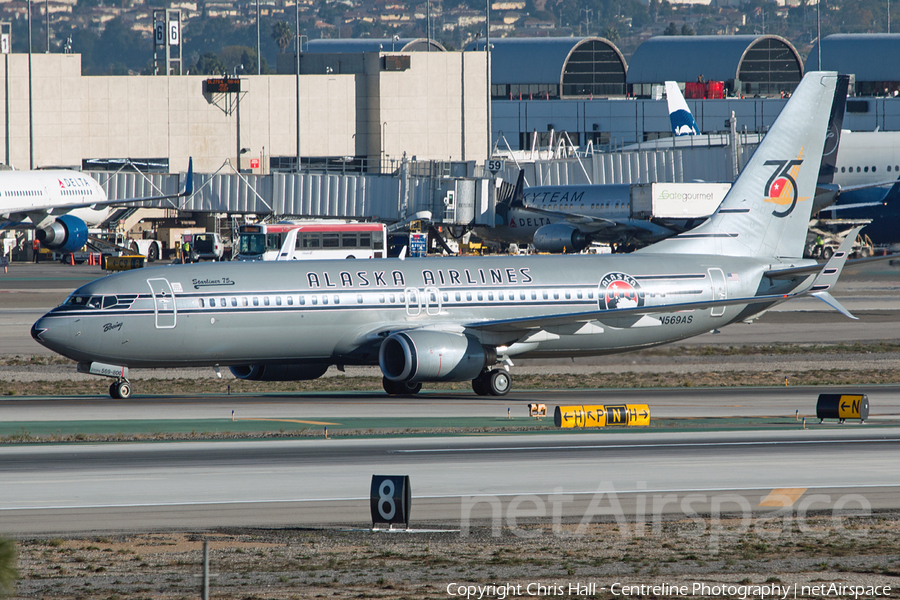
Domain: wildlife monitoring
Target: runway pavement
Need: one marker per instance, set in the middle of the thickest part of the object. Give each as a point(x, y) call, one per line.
point(455, 482)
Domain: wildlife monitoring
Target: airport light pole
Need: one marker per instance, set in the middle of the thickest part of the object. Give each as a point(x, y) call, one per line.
point(487, 49)
point(298, 46)
point(258, 48)
point(30, 98)
point(238, 113)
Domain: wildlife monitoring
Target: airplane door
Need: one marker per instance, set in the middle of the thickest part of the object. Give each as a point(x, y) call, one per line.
point(413, 301)
point(720, 291)
point(163, 303)
point(432, 297)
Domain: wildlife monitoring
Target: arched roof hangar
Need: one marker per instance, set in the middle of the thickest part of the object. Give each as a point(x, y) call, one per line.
point(749, 65)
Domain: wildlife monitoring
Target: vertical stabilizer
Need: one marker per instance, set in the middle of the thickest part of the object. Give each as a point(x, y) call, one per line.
point(767, 211)
point(679, 114)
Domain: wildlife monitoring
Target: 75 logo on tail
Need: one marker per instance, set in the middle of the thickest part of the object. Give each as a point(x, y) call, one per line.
point(781, 188)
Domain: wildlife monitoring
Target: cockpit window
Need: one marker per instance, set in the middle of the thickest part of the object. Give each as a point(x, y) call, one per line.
point(99, 302)
point(78, 301)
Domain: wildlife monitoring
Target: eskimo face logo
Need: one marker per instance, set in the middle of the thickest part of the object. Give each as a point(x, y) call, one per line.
point(618, 290)
point(781, 188)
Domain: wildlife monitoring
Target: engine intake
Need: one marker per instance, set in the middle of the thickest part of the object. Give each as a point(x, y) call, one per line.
point(65, 234)
point(560, 237)
point(278, 372)
point(422, 355)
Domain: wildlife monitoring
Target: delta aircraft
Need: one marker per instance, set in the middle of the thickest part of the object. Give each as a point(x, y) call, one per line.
point(462, 318)
point(61, 204)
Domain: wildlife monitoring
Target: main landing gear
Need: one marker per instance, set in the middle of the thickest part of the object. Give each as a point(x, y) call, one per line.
point(496, 382)
point(120, 390)
point(400, 388)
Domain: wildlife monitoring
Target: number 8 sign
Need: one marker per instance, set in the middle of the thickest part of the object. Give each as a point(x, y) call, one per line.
point(390, 499)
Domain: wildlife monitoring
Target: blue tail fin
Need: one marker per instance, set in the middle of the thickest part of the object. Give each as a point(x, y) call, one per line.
point(679, 114)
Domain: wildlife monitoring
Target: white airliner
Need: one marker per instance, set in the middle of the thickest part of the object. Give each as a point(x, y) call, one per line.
point(62, 205)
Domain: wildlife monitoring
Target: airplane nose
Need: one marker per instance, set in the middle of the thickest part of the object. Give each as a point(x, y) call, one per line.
point(38, 330)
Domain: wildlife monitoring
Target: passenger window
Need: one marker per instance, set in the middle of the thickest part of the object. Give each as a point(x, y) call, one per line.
point(337, 299)
point(212, 302)
point(290, 300)
point(202, 304)
point(234, 301)
point(278, 300)
point(266, 301)
point(381, 298)
point(324, 299)
point(480, 297)
point(244, 301)
point(458, 297)
point(302, 300)
point(468, 296)
point(490, 296)
point(391, 298)
point(359, 299)
point(314, 299)
point(255, 301)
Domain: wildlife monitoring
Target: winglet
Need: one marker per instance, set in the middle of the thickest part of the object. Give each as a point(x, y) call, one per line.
point(188, 188)
point(829, 274)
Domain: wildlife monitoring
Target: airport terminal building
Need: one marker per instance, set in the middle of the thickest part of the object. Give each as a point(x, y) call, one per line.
point(363, 104)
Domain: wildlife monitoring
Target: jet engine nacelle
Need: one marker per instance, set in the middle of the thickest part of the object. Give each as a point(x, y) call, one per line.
point(279, 372)
point(423, 355)
point(65, 234)
point(559, 237)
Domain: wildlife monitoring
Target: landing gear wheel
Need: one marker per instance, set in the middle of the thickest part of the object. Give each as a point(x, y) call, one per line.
point(120, 390)
point(400, 388)
point(480, 387)
point(499, 382)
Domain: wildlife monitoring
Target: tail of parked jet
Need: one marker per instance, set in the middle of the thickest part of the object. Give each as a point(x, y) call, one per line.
point(767, 211)
point(679, 114)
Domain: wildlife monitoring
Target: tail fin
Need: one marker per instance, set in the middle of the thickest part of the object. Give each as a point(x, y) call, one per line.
point(517, 200)
point(833, 137)
point(766, 213)
point(679, 114)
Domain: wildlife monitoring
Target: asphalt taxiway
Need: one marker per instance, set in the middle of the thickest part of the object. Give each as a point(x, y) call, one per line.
point(455, 482)
point(482, 467)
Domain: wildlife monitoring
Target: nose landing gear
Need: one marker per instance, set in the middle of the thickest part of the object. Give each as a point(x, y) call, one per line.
point(120, 390)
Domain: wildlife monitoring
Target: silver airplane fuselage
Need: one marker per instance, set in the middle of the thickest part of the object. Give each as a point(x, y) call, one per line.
point(337, 312)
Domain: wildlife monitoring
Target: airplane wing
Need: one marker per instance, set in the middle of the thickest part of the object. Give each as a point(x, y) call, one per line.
point(532, 323)
point(186, 190)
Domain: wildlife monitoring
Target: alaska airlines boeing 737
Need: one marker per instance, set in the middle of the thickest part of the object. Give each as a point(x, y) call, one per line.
point(464, 318)
point(61, 204)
